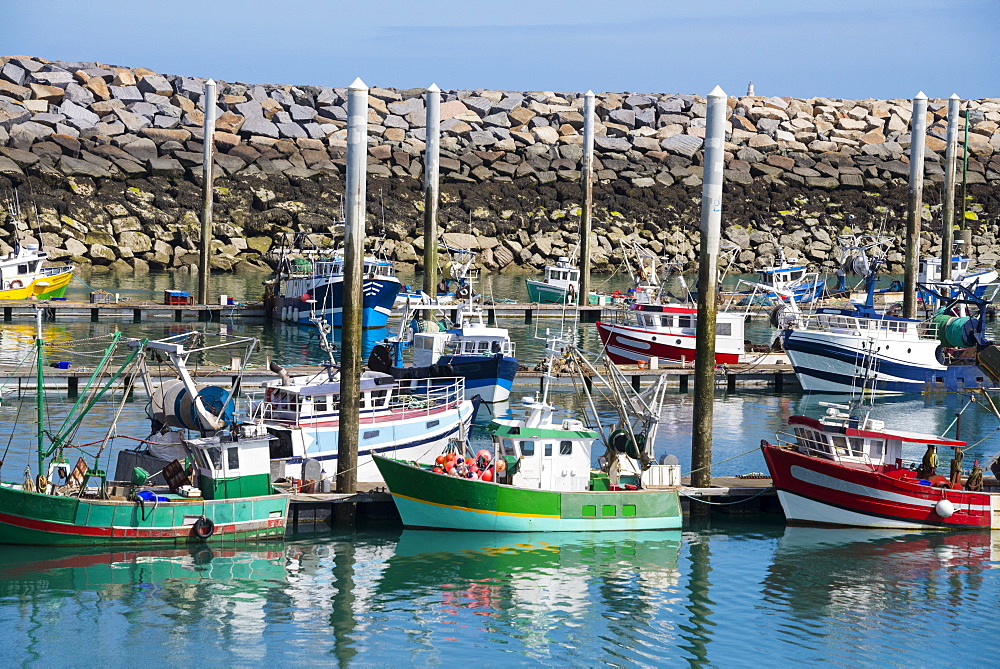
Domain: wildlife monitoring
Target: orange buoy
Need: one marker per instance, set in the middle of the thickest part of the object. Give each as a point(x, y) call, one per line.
point(486, 475)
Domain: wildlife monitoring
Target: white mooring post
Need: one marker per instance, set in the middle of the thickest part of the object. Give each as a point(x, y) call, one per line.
point(708, 277)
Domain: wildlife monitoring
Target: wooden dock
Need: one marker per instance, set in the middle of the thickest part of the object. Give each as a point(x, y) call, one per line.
point(779, 377)
point(373, 505)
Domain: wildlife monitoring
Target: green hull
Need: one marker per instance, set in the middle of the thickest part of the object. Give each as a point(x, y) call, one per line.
point(47, 520)
point(436, 501)
point(544, 293)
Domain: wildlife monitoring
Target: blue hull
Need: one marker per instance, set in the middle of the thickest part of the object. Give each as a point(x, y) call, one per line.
point(376, 301)
point(827, 368)
point(490, 377)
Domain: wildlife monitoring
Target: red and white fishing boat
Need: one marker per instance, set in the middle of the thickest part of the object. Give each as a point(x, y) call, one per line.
point(667, 332)
point(847, 469)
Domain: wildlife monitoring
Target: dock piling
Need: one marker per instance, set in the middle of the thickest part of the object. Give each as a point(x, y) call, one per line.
point(948, 211)
point(432, 155)
point(708, 277)
point(587, 180)
point(914, 204)
point(137, 315)
point(72, 387)
point(683, 380)
point(95, 315)
point(208, 144)
point(8, 314)
point(354, 232)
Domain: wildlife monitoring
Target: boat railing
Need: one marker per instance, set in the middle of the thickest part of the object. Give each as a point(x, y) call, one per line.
point(428, 394)
point(886, 328)
point(53, 271)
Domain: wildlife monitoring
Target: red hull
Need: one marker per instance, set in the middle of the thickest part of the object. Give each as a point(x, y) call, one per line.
point(819, 491)
point(625, 345)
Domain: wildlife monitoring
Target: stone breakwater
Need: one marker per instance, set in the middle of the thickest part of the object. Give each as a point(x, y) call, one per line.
point(110, 157)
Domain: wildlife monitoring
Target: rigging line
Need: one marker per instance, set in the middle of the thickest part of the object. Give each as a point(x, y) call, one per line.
point(739, 501)
point(719, 462)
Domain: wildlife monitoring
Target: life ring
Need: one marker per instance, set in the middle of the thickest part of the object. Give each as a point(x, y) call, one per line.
point(462, 293)
point(15, 284)
point(203, 528)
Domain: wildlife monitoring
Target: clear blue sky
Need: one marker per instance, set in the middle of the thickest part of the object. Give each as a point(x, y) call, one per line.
point(802, 48)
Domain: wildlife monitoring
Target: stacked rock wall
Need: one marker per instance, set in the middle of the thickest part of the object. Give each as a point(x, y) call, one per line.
point(111, 158)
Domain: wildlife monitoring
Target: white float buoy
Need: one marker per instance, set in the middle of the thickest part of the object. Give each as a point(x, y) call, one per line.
point(944, 508)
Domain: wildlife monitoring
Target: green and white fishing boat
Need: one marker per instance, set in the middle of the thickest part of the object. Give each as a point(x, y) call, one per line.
point(538, 476)
point(224, 493)
point(560, 285)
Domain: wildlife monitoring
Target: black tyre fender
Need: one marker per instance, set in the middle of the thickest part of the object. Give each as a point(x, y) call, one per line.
point(203, 528)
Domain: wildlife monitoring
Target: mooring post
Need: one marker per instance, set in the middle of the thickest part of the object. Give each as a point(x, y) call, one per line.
point(208, 144)
point(636, 382)
point(432, 156)
point(354, 232)
point(137, 315)
point(779, 382)
point(8, 314)
point(587, 179)
point(914, 204)
point(683, 383)
point(708, 277)
point(491, 316)
point(527, 315)
point(730, 383)
point(95, 315)
point(948, 212)
point(72, 387)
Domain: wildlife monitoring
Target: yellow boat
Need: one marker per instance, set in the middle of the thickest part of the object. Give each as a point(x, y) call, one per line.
point(22, 276)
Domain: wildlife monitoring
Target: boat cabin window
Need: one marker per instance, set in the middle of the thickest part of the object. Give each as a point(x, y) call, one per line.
point(724, 329)
point(506, 447)
point(483, 347)
point(215, 454)
point(233, 458)
point(839, 444)
point(565, 448)
point(548, 449)
point(574, 275)
point(378, 398)
point(875, 449)
point(527, 448)
point(897, 326)
point(22, 269)
point(796, 275)
point(810, 441)
point(858, 447)
point(685, 321)
point(319, 404)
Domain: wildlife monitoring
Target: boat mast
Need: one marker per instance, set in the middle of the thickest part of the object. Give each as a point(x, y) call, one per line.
point(40, 389)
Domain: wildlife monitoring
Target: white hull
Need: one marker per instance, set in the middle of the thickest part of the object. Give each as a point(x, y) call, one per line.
point(803, 510)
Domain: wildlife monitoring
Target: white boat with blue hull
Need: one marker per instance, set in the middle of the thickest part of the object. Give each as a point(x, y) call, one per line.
point(481, 354)
point(309, 284)
point(794, 277)
point(400, 419)
point(847, 350)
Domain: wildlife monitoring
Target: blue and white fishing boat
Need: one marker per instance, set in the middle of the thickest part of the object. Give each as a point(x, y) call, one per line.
point(471, 349)
point(979, 279)
point(855, 349)
point(309, 284)
point(793, 276)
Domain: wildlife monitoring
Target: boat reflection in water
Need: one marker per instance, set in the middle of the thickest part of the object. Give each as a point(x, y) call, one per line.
point(231, 570)
point(553, 595)
point(854, 585)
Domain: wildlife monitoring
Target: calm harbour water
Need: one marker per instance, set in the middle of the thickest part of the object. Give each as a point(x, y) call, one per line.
point(734, 593)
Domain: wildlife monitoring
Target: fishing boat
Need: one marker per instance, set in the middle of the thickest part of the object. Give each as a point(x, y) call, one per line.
point(470, 348)
point(457, 277)
point(538, 476)
point(848, 469)
point(560, 285)
point(978, 279)
point(309, 283)
point(836, 350)
point(223, 494)
point(793, 276)
point(654, 333)
point(407, 418)
point(23, 274)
